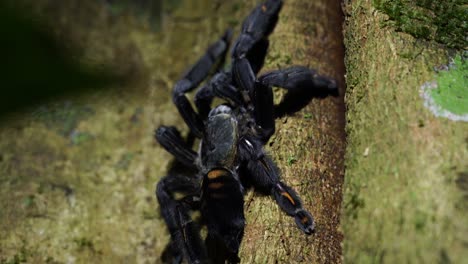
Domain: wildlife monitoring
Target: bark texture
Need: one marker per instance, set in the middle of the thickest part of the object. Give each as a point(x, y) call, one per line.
point(308, 146)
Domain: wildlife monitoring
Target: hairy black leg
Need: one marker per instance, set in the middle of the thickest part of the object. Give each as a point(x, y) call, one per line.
point(298, 78)
point(256, 26)
point(264, 116)
point(257, 54)
point(265, 177)
point(170, 139)
point(250, 48)
point(302, 84)
point(222, 87)
point(203, 99)
point(244, 77)
point(213, 58)
point(185, 233)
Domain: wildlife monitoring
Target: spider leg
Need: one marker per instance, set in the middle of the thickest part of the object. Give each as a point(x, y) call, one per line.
point(298, 78)
point(257, 26)
point(257, 55)
point(170, 139)
point(265, 177)
point(203, 99)
point(185, 233)
point(264, 110)
point(302, 85)
point(222, 87)
point(213, 58)
point(249, 51)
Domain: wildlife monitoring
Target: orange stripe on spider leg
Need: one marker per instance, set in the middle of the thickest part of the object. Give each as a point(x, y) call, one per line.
point(264, 8)
point(216, 174)
point(288, 196)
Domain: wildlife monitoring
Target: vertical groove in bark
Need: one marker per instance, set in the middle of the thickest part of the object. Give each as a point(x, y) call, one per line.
point(308, 33)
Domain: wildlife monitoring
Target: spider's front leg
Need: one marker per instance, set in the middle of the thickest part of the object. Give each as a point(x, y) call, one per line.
point(299, 78)
point(302, 85)
point(250, 49)
point(265, 177)
point(213, 59)
point(185, 233)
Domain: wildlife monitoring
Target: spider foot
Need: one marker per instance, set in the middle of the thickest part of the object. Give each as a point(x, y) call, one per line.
point(305, 221)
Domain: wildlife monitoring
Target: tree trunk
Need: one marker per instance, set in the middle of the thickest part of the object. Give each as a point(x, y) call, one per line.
point(308, 146)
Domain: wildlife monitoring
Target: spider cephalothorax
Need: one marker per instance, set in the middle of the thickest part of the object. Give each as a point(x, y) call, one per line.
point(231, 156)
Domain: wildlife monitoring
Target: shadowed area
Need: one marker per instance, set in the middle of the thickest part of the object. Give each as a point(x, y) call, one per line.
point(36, 64)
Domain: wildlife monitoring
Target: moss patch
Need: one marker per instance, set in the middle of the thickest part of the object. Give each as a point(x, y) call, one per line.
point(442, 21)
point(452, 91)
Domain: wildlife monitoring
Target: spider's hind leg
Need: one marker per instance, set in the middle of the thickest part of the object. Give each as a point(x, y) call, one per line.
point(185, 232)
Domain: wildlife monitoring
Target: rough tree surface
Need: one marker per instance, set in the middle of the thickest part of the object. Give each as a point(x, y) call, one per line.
point(405, 195)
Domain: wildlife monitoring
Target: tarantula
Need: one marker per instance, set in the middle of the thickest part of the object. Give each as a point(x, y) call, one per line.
point(231, 157)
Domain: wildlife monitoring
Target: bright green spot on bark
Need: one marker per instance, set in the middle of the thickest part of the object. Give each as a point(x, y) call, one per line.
point(452, 91)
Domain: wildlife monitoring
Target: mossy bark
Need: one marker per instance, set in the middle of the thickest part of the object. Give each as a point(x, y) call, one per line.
point(405, 191)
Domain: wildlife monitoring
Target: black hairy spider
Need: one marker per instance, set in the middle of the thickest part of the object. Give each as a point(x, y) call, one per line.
point(231, 157)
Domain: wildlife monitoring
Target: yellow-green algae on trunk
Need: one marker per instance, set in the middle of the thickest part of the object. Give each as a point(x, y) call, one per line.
point(406, 170)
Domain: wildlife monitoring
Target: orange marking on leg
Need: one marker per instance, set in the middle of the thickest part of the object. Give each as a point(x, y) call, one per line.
point(215, 185)
point(216, 173)
point(264, 8)
point(288, 196)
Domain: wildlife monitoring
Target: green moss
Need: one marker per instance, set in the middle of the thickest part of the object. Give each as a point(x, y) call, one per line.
point(452, 90)
point(441, 21)
point(291, 160)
